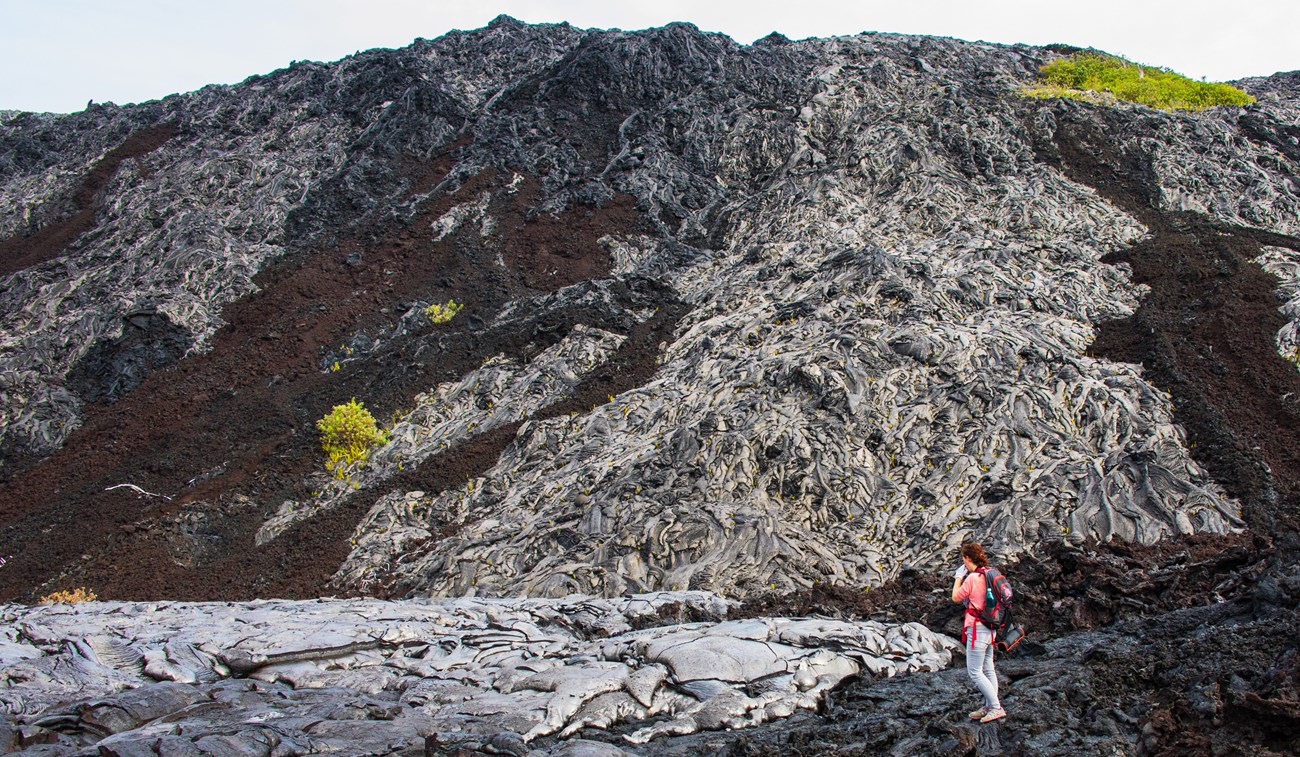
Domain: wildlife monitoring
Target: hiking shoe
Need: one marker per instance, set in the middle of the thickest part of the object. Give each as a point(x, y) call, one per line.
point(979, 714)
point(994, 714)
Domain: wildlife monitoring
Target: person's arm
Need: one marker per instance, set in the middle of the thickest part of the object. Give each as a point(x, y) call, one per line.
point(959, 578)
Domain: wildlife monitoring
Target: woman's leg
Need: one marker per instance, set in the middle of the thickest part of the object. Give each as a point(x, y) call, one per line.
point(988, 670)
point(979, 666)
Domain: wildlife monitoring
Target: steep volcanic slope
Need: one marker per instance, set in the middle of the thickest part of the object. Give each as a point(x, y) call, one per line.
point(238, 417)
point(886, 355)
point(739, 318)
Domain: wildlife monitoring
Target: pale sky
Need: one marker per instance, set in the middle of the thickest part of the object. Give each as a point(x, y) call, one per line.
point(57, 54)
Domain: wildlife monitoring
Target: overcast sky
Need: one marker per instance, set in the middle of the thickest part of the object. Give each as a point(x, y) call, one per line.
point(57, 54)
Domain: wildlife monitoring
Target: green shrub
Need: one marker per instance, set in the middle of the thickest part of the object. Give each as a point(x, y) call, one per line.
point(348, 433)
point(1092, 72)
point(439, 313)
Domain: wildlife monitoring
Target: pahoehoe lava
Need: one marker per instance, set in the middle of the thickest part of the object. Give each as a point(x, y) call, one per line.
point(263, 366)
point(1206, 332)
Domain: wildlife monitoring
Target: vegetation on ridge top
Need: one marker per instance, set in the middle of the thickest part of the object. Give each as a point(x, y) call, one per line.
point(1084, 75)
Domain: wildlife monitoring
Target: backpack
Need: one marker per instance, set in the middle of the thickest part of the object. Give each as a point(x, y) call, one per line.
point(996, 614)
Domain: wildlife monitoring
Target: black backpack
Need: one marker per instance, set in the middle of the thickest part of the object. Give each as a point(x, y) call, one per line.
point(996, 614)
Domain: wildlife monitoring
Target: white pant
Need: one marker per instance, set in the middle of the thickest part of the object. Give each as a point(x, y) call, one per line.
point(979, 666)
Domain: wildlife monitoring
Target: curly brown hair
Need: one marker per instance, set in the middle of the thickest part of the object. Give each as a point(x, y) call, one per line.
point(975, 552)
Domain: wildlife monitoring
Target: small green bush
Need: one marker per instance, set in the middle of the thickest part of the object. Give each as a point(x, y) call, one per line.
point(1086, 72)
point(439, 313)
point(348, 433)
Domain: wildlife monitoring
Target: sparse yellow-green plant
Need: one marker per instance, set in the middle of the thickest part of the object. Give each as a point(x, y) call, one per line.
point(70, 596)
point(348, 433)
point(1085, 74)
point(440, 313)
point(1293, 357)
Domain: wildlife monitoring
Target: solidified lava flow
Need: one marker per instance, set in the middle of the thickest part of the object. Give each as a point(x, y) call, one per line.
point(236, 415)
point(1205, 333)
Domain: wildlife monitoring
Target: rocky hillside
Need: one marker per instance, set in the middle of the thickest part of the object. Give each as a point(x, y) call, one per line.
point(738, 318)
point(756, 320)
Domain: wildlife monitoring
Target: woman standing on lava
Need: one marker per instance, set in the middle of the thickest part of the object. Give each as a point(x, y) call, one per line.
point(968, 589)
